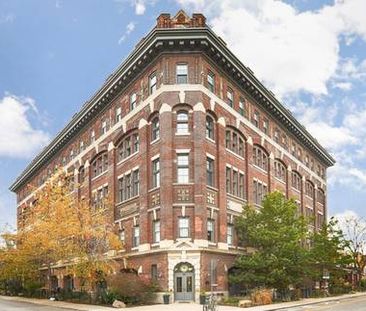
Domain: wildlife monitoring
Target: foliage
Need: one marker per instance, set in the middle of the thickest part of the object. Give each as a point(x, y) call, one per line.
point(327, 253)
point(354, 229)
point(60, 228)
point(131, 289)
point(275, 232)
point(229, 301)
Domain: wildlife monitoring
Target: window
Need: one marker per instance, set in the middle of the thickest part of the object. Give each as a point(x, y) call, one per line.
point(211, 82)
point(296, 180)
point(154, 272)
point(183, 227)
point(99, 197)
point(136, 236)
point(276, 136)
point(307, 160)
point(122, 235)
point(103, 128)
point(284, 141)
point(183, 168)
point(92, 136)
point(260, 158)
point(182, 73)
point(129, 186)
point(320, 196)
point(255, 119)
point(265, 126)
point(71, 154)
point(182, 122)
point(209, 127)
point(320, 220)
point(235, 142)
point(242, 106)
point(211, 230)
point(81, 147)
point(155, 129)
point(230, 234)
point(210, 171)
point(81, 175)
point(136, 183)
point(118, 114)
point(279, 170)
point(128, 146)
point(230, 97)
point(133, 101)
point(259, 191)
point(100, 165)
point(235, 182)
point(152, 83)
point(156, 173)
point(309, 189)
point(156, 231)
point(293, 149)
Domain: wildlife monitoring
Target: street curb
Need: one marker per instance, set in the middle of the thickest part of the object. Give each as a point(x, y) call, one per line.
point(307, 303)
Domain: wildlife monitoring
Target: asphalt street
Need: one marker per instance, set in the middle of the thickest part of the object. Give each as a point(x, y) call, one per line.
point(6, 305)
point(353, 304)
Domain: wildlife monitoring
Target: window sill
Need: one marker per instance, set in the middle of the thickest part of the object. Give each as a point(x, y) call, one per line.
point(280, 180)
point(135, 248)
point(236, 197)
point(182, 134)
point(100, 175)
point(155, 141)
point(296, 190)
point(235, 154)
point(128, 200)
point(153, 189)
point(212, 188)
point(183, 184)
point(211, 140)
point(129, 157)
point(260, 169)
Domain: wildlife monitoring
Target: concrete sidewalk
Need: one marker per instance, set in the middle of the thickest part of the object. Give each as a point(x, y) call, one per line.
point(182, 306)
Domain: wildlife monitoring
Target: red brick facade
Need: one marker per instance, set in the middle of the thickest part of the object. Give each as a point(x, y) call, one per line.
point(250, 150)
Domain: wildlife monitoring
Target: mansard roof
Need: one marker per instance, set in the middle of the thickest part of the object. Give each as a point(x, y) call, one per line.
point(181, 34)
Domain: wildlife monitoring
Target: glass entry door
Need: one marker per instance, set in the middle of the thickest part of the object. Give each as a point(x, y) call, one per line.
point(183, 286)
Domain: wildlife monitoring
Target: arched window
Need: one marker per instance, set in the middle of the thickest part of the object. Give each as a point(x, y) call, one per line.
point(235, 141)
point(309, 189)
point(296, 180)
point(128, 146)
point(182, 122)
point(280, 170)
point(260, 158)
point(100, 164)
point(210, 127)
point(155, 129)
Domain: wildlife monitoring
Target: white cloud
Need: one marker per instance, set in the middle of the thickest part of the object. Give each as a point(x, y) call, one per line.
point(140, 7)
point(290, 51)
point(344, 86)
point(7, 18)
point(18, 137)
point(129, 28)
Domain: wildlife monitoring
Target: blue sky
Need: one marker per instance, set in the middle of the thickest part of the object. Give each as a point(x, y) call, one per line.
point(55, 54)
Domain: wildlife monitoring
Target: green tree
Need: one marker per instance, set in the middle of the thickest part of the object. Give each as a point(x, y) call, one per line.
point(275, 233)
point(327, 254)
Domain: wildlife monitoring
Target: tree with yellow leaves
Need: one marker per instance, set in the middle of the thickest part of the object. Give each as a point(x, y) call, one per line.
point(61, 230)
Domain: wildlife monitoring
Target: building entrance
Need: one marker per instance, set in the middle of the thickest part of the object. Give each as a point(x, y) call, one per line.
point(184, 282)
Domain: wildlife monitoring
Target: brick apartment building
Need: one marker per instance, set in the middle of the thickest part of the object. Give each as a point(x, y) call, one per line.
point(180, 137)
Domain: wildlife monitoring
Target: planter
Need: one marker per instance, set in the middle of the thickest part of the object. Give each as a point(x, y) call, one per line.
point(166, 299)
point(202, 299)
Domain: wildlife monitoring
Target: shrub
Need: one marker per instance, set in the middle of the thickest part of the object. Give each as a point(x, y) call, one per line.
point(229, 301)
point(261, 296)
point(130, 288)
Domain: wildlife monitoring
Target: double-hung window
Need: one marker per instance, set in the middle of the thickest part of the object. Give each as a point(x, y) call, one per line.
point(133, 101)
point(156, 173)
point(211, 230)
point(211, 82)
point(210, 171)
point(152, 83)
point(183, 227)
point(183, 168)
point(182, 73)
point(182, 122)
point(156, 231)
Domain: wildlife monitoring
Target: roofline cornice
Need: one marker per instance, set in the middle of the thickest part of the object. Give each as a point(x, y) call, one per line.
point(157, 41)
